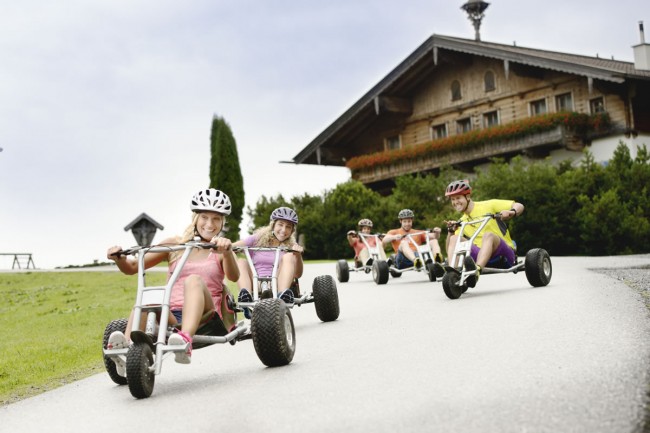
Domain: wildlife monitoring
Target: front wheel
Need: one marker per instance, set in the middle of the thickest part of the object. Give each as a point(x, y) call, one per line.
point(111, 368)
point(342, 271)
point(450, 284)
point(274, 336)
point(380, 272)
point(326, 298)
point(538, 267)
point(139, 370)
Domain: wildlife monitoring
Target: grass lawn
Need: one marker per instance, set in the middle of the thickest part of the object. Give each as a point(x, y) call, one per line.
point(52, 323)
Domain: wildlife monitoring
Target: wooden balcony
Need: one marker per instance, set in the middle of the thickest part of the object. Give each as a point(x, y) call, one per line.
point(537, 144)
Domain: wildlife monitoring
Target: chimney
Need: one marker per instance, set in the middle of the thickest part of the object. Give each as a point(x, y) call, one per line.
point(642, 52)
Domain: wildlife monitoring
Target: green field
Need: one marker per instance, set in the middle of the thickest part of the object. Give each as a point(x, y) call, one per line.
point(52, 323)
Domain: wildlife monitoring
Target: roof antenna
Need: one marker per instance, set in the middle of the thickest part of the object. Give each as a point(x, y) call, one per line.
point(475, 9)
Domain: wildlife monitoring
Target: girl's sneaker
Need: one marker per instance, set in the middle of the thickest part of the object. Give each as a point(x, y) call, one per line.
point(117, 340)
point(245, 296)
point(286, 296)
point(178, 339)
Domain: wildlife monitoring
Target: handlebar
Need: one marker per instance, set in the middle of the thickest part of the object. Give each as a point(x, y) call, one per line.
point(127, 252)
point(159, 248)
point(496, 216)
point(284, 249)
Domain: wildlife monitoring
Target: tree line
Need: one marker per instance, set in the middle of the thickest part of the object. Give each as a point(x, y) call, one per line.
point(584, 209)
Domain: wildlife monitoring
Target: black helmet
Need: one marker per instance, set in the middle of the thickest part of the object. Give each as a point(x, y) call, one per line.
point(405, 213)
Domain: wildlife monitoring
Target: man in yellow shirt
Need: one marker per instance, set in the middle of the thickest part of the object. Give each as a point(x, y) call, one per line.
point(494, 243)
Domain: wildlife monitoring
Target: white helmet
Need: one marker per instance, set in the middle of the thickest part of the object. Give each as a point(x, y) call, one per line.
point(405, 213)
point(365, 223)
point(211, 200)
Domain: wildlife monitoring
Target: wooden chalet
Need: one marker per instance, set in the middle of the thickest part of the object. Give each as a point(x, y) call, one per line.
point(460, 102)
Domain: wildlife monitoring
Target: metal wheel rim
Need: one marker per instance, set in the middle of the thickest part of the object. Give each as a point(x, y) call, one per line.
point(546, 266)
point(287, 330)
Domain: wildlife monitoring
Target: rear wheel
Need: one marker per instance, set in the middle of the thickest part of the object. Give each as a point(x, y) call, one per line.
point(111, 368)
point(139, 370)
point(274, 336)
point(342, 271)
point(326, 298)
point(450, 285)
point(538, 267)
point(380, 272)
point(431, 270)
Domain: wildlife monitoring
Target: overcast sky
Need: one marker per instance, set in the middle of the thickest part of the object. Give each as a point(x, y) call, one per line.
point(106, 105)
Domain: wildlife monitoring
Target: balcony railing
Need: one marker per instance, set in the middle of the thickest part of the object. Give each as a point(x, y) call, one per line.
point(559, 130)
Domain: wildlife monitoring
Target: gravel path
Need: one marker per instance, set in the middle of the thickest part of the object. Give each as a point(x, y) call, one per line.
point(638, 279)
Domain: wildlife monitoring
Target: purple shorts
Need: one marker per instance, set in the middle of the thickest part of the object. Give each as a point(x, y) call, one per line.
point(503, 252)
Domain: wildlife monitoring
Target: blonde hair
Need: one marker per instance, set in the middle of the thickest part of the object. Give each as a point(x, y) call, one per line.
point(189, 234)
point(266, 237)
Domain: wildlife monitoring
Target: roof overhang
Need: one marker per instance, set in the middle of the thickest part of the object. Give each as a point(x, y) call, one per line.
point(426, 57)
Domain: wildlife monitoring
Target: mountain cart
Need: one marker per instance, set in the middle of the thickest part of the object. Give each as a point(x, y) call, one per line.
point(375, 263)
point(271, 328)
point(324, 294)
point(537, 263)
point(426, 254)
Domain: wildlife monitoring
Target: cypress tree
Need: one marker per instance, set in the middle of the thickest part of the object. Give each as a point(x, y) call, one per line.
point(225, 172)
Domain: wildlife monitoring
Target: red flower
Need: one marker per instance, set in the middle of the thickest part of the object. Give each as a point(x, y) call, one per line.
point(579, 123)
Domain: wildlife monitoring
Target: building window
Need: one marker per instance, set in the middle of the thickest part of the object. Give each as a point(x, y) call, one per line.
point(490, 119)
point(439, 131)
point(538, 107)
point(392, 142)
point(597, 105)
point(490, 83)
point(463, 125)
point(564, 102)
point(456, 93)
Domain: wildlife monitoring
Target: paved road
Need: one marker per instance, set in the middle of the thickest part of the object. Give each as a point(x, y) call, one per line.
point(506, 357)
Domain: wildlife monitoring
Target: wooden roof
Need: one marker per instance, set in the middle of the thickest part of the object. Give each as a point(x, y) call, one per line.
point(410, 72)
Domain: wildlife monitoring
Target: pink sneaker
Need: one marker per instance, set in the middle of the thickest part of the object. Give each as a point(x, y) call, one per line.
point(178, 339)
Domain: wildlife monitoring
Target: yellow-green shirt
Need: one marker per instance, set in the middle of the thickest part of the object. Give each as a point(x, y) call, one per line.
point(497, 227)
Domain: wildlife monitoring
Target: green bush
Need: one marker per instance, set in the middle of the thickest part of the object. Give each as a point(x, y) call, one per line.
point(588, 209)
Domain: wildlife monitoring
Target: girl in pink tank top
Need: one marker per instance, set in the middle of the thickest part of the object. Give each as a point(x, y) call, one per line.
point(199, 289)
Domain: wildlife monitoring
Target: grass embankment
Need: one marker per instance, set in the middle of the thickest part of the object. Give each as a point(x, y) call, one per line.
point(52, 323)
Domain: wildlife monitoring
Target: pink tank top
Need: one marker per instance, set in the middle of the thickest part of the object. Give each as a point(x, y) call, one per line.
point(210, 271)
